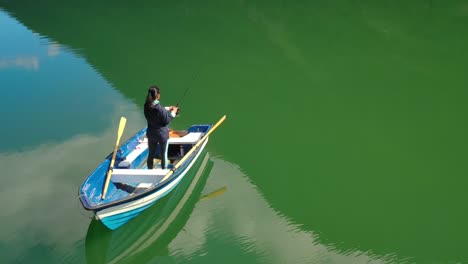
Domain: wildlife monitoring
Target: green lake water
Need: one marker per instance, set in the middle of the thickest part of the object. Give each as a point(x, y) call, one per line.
point(345, 141)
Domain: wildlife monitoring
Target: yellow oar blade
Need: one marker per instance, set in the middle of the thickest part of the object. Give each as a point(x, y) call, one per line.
point(214, 193)
point(123, 122)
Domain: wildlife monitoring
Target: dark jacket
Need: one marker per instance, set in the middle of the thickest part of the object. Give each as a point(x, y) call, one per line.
point(158, 119)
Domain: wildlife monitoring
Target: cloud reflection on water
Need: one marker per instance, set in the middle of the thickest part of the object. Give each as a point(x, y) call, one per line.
point(53, 49)
point(43, 211)
point(28, 63)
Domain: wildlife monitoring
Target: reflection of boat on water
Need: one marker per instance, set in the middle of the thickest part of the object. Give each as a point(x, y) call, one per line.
point(155, 228)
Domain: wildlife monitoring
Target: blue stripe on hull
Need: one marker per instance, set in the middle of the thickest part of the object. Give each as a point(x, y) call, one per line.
point(115, 221)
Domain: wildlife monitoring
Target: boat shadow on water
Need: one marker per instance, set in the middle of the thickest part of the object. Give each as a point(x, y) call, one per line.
point(149, 234)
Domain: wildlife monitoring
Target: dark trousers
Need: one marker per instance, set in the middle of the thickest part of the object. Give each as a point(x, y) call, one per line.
point(152, 148)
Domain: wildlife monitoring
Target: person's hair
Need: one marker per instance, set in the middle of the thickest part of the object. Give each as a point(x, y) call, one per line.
point(152, 92)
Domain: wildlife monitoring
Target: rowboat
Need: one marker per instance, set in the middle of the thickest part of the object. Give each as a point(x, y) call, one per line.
point(121, 186)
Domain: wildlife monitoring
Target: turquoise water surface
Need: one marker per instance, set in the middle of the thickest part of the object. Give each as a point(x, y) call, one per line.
point(345, 140)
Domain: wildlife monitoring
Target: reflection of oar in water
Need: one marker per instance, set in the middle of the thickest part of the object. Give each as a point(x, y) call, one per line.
point(214, 193)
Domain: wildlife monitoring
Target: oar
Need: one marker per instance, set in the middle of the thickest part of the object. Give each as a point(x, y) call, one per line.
point(214, 193)
point(122, 123)
point(193, 148)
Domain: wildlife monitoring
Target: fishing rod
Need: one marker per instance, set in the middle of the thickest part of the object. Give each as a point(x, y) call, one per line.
point(183, 96)
point(177, 105)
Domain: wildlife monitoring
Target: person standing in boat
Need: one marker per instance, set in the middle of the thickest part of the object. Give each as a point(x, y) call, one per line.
point(158, 119)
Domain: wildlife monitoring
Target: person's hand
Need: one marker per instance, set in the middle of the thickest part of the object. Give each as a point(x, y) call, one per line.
point(174, 109)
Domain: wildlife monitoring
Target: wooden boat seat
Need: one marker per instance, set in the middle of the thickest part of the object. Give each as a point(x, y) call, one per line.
point(177, 133)
point(138, 175)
